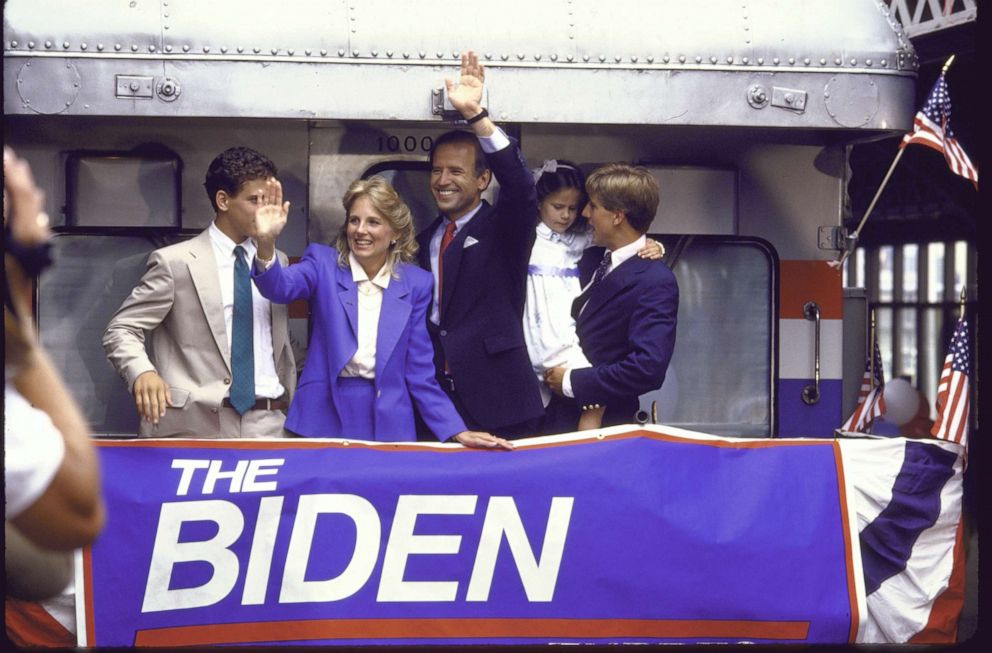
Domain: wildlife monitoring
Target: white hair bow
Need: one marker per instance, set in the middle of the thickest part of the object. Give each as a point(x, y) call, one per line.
point(551, 165)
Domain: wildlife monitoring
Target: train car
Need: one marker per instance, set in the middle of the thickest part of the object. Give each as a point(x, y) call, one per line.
point(744, 112)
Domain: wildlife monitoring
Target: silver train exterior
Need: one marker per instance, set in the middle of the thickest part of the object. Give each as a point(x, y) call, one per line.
point(744, 110)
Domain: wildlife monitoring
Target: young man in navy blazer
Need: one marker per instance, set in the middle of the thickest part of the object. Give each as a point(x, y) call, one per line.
point(625, 316)
point(479, 282)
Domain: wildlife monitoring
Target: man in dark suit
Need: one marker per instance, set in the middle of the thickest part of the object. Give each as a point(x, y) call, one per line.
point(478, 254)
point(625, 316)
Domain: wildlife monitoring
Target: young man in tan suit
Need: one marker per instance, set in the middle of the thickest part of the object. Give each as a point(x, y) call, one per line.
point(223, 364)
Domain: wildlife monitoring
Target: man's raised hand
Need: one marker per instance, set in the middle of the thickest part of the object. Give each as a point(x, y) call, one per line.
point(466, 95)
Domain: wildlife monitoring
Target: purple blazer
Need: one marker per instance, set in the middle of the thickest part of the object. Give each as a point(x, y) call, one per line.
point(404, 367)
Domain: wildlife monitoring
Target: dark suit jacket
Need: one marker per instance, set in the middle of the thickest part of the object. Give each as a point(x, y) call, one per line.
point(481, 332)
point(627, 332)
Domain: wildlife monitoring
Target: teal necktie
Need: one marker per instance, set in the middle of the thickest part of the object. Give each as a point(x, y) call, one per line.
point(242, 338)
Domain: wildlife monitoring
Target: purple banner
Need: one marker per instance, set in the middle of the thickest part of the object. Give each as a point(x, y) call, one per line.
point(637, 536)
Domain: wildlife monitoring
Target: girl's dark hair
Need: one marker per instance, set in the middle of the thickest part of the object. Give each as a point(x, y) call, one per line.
point(556, 174)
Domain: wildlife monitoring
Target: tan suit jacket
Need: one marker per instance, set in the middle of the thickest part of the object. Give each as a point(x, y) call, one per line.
point(178, 300)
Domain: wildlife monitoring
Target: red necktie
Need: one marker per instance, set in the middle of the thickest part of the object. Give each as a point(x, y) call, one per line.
point(449, 234)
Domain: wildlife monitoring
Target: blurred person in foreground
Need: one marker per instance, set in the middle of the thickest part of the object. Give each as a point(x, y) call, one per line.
point(51, 476)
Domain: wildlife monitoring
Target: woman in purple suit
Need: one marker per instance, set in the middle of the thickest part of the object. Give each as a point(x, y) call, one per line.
point(370, 358)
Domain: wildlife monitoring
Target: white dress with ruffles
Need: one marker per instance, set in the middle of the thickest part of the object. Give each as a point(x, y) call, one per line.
point(552, 284)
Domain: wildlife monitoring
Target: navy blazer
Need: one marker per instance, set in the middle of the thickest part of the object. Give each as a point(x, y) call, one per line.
point(627, 332)
point(404, 369)
point(480, 335)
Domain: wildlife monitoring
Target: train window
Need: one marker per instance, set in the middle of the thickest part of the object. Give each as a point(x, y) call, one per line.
point(935, 272)
point(910, 265)
point(76, 300)
point(883, 331)
point(907, 343)
point(411, 179)
point(914, 290)
point(112, 190)
point(886, 271)
point(931, 357)
point(961, 256)
point(720, 378)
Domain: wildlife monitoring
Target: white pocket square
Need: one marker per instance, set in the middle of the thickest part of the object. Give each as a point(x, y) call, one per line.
point(469, 241)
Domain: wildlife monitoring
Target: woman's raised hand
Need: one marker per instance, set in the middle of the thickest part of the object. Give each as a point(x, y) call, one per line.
point(270, 218)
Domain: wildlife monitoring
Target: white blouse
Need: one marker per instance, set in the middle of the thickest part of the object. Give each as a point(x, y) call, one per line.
point(552, 285)
point(362, 364)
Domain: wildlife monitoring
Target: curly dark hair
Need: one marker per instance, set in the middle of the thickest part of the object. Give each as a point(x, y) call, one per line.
point(233, 168)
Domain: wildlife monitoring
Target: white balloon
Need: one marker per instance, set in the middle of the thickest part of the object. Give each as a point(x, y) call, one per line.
point(901, 401)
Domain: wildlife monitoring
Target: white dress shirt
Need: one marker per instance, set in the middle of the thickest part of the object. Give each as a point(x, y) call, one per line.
point(495, 142)
point(267, 383)
point(362, 364)
point(617, 256)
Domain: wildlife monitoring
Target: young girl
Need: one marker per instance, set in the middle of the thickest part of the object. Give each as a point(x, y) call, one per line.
point(552, 285)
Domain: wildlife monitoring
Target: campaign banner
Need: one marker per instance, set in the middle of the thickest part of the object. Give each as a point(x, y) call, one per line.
point(632, 535)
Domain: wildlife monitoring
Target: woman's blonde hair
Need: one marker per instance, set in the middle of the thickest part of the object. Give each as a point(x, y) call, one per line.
point(386, 201)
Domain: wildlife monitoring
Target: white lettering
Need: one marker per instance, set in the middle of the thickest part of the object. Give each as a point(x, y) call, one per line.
point(537, 566)
point(214, 474)
point(262, 545)
point(367, 537)
point(256, 468)
point(403, 543)
point(168, 551)
point(188, 467)
point(539, 578)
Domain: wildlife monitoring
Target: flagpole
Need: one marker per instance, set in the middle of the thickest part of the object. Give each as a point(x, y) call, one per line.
point(871, 350)
point(962, 300)
point(853, 238)
point(871, 363)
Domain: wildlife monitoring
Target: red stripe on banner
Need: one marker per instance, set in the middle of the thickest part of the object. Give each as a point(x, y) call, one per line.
point(29, 625)
point(299, 309)
point(338, 629)
point(942, 627)
point(311, 443)
point(852, 588)
point(88, 596)
point(804, 281)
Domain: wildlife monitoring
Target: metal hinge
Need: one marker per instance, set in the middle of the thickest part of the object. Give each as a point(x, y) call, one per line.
point(835, 238)
point(441, 105)
point(789, 98)
point(134, 86)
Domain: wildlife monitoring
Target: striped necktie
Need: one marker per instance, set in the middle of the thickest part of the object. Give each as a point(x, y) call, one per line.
point(597, 276)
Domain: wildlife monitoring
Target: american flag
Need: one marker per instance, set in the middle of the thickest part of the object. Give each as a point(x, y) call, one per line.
point(953, 397)
point(871, 402)
point(932, 127)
